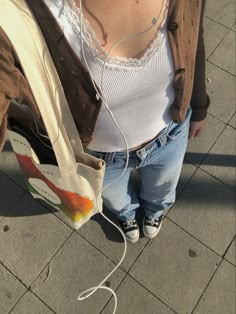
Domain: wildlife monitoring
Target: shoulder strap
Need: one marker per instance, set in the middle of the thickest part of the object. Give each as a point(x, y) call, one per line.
point(40, 71)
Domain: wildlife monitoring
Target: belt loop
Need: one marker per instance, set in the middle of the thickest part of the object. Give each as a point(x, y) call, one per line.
point(169, 127)
point(109, 157)
point(141, 153)
point(163, 138)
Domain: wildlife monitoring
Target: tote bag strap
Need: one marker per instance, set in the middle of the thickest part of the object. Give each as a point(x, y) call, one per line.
point(22, 29)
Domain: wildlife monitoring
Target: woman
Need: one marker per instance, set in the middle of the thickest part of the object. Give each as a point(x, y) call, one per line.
point(153, 83)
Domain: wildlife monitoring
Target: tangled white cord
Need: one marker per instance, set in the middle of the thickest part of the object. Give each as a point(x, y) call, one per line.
point(87, 293)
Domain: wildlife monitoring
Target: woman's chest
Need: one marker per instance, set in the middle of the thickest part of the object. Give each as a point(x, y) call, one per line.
point(112, 21)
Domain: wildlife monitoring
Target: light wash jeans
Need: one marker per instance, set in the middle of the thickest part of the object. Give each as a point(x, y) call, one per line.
point(158, 164)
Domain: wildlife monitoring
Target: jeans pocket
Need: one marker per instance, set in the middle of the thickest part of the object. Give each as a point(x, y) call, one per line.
point(177, 129)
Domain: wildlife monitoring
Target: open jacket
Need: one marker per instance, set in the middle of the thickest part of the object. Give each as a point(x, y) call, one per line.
point(185, 33)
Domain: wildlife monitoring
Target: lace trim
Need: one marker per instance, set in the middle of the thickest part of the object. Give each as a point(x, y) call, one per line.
point(73, 15)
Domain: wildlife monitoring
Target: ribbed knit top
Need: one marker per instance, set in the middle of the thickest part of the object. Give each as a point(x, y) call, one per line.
point(139, 92)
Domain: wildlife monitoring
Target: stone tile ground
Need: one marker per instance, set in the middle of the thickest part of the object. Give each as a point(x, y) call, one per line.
point(189, 268)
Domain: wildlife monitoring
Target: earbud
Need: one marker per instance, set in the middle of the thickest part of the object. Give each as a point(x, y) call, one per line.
point(154, 21)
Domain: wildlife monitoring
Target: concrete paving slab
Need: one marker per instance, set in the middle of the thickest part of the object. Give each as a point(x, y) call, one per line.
point(76, 267)
point(221, 89)
point(221, 160)
point(10, 194)
point(231, 253)
point(224, 55)
point(109, 241)
point(28, 239)
point(175, 267)
point(11, 290)
point(213, 35)
point(55, 212)
point(206, 210)
point(30, 304)
point(232, 121)
point(133, 298)
point(220, 295)
point(9, 165)
point(222, 12)
point(186, 174)
point(234, 28)
point(198, 148)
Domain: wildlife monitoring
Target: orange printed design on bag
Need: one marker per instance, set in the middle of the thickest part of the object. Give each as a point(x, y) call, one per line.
point(73, 205)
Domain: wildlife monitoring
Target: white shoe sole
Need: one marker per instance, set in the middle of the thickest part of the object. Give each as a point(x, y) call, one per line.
point(132, 240)
point(153, 235)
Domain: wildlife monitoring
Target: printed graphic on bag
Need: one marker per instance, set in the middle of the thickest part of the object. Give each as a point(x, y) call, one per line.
point(73, 205)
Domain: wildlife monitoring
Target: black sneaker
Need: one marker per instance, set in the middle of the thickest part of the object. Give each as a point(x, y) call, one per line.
point(152, 226)
point(130, 229)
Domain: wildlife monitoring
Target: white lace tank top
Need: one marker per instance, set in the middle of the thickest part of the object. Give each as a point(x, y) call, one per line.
point(139, 91)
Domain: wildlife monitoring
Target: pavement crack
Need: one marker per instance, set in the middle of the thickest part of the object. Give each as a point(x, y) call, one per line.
point(48, 272)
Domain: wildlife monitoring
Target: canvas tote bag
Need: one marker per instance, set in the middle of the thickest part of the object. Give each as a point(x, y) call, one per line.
point(73, 185)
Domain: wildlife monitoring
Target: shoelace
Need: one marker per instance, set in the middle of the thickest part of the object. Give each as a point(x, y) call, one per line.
point(152, 221)
point(131, 223)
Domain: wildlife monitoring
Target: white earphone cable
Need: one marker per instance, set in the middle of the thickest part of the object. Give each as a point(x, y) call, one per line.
point(87, 293)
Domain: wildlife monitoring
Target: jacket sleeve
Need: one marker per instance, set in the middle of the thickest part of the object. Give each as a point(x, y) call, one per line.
point(200, 100)
point(13, 84)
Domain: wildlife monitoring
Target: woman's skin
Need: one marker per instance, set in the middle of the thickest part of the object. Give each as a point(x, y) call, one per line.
point(113, 20)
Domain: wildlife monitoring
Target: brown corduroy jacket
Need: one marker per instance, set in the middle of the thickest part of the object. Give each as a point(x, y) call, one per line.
point(185, 33)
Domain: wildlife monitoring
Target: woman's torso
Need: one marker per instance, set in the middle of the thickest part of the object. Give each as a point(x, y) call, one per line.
point(137, 89)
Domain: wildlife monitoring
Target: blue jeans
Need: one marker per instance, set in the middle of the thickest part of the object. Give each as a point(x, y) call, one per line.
point(158, 164)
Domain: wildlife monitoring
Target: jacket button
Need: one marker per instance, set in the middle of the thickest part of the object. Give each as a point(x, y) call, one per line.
point(173, 27)
point(180, 71)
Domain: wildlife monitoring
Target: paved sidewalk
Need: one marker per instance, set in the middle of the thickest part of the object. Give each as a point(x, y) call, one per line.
point(189, 268)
